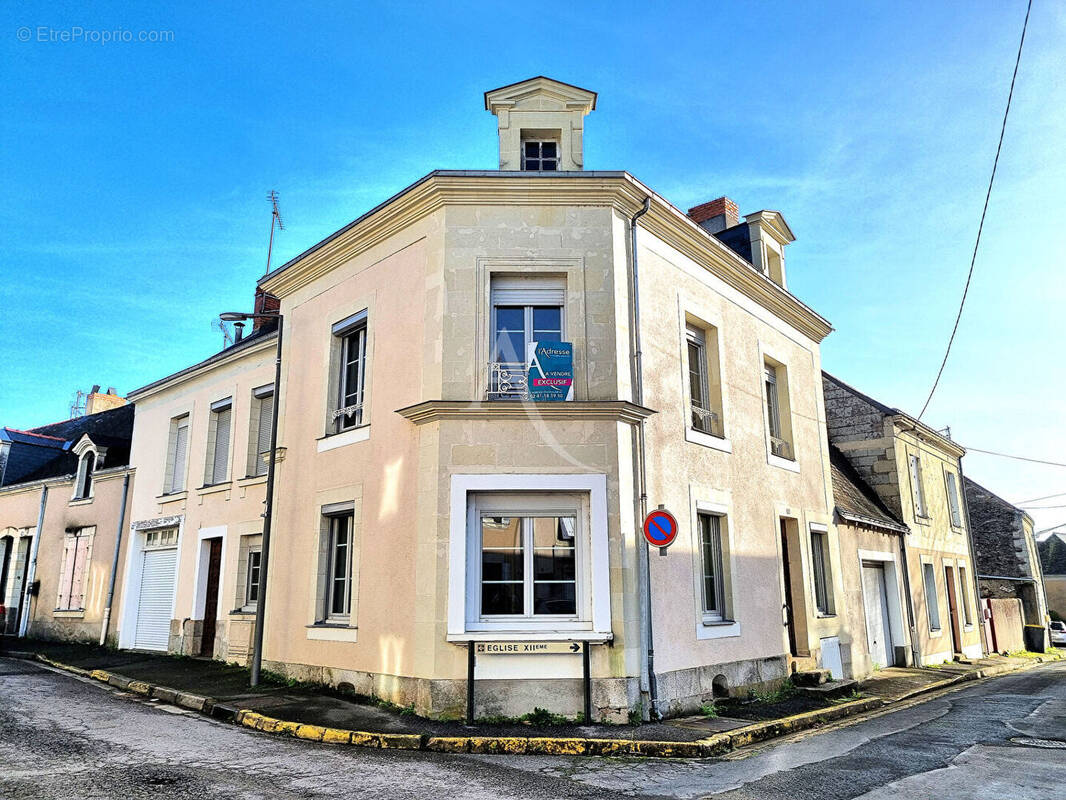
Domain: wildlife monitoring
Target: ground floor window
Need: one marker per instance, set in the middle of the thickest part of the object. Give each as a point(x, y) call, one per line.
point(823, 595)
point(963, 595)
point(710, 529)
point(528, 565)
point(931, 605)
point(339, 583)
point(77, 550)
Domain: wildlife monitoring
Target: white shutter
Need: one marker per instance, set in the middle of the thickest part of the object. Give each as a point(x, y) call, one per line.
point(953, 500)
point(181, 442)
point(916, 487)
point(533, 290)
point(81, 569)
point(70, 544)
point(155, 600)
point(220, 460)
point(266, 417)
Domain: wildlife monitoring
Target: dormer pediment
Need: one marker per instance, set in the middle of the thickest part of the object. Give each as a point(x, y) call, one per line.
point(541, 124)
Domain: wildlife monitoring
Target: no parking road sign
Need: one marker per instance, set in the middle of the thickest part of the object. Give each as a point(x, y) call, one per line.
point(660, 528)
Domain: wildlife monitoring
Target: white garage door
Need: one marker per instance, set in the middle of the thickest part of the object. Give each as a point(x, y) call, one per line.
point(156, 599)
point(878, 628)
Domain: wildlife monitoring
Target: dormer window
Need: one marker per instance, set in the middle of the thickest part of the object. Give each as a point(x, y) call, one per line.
point(540, 155)
point(84, 483)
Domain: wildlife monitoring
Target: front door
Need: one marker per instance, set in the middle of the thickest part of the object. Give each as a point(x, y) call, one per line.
point(214, 568)
point(953, 608)
point(789, 606)
point(878, 627)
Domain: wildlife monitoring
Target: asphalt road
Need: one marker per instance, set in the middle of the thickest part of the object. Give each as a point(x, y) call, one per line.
point(61, 737)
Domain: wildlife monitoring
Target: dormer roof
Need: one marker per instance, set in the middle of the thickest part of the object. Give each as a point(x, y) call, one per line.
point(541, 93)
point(774, 223)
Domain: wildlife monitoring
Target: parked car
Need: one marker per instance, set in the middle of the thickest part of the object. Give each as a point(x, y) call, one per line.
point(1058, 633)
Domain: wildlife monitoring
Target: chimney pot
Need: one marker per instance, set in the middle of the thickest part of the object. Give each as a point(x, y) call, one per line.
point(715, 216)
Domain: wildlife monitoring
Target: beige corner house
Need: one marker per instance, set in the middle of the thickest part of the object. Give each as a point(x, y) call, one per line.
point(907, 551)
point(438, 521)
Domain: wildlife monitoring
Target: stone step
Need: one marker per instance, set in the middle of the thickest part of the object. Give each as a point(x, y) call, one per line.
point(811, 677)
point(830, 689)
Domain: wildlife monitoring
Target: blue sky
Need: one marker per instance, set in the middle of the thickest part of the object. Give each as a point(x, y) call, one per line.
point(135, 173)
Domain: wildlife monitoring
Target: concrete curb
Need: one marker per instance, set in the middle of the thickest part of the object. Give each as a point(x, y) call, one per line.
point(521, 745)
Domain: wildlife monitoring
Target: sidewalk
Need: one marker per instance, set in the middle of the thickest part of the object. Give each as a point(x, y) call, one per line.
point(317, 713)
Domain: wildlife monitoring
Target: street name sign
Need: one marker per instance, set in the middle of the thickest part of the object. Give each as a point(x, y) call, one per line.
point(525, 648)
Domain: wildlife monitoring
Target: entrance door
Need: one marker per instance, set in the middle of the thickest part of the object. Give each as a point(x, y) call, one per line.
point(214, 567)
point(878, 628)
point(155, 600)
point(789, 606)
point(953, 608)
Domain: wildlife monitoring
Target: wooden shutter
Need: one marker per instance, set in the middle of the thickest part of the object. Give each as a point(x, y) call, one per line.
point(220, 459)
point(70, 545)
point(80, 570)
point(266, 418)
point(181, 443)
point(953, 500)
point(916, 487)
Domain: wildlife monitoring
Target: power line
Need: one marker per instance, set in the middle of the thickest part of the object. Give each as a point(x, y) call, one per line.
point(1040, 508)
point(984, 211)
point(1038, 499)
point(1016, 458)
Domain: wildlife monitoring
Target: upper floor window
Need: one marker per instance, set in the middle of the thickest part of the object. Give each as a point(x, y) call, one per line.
point(259, 435)
point(77, 550)
point(540, 155)
point(917, 489)
point(177, 453)
point(524, 310)
point(704, 384)
point(218, 435)
point(954, 507)
point(778, 421)
point(349, 381)
point(83, 485)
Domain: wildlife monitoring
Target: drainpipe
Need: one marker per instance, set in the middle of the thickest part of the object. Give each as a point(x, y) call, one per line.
point(643, 552)
point(31, 570)
point(973, 560)
point(114, 561)
point(916, 651)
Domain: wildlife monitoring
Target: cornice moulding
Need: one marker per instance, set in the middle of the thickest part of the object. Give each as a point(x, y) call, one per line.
point(610, 410)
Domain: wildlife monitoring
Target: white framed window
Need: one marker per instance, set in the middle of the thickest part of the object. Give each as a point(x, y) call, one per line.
point(349, 379)
point(712, 566)
point(704, 405)
point(83, 483)
point(525, 309)
point(954, 507)
point(821, 572)
point(540, 155)
point(963, 594)
point(177, 455)
point(251, 583)
point(218, 436)
point(932, 605)
point(259, 435)
point(556, 588)
point(778, 422)
point(917, 489)
point(77, 552)
point(337, 595)
point(160, 538)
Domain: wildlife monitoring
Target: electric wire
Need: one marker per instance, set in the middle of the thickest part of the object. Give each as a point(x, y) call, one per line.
point(1016, 458)
point(984, 211)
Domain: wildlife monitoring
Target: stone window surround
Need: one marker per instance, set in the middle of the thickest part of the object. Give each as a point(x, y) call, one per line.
point(719, 503)
point(769, 355)
point(330, 365)
point(326, 502)
point(691, 312)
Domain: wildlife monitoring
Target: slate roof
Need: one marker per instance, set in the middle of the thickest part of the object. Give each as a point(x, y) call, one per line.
point(994, 525)
point(855, 501)
point(1053, 555)
point(44, 452)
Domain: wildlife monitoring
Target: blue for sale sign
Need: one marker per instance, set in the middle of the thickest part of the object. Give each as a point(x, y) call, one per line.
point(550, 369)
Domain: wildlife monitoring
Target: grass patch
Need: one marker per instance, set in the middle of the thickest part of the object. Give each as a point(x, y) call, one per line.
point(786, 691)
point(708, 710)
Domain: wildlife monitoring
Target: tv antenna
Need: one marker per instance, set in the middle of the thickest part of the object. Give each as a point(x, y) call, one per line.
point(77, 405)
point(275, 218)
point(227, 337)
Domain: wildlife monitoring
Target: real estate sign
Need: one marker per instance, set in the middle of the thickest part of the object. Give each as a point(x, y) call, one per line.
point(550, 368)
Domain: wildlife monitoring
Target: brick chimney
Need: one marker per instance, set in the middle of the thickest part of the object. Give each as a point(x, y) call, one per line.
point(264, 303)
point(717, 215)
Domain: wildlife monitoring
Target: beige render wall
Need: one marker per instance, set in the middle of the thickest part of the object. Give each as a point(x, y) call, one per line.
point(385, 474)
point(19, 508)
point(233, 508)
point(755, 492)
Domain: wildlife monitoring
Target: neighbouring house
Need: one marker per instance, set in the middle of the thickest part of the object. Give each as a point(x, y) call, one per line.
point(192, 557)
point(435, 514)
point(1009, 578)
point(1053, 563)
point(873, 570)
point(57, 576)
point(916, 473)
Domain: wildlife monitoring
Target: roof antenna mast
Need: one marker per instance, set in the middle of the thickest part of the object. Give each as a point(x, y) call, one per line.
point(275, 218)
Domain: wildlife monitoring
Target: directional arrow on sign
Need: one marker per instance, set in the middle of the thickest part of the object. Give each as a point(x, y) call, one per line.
point(574, 647)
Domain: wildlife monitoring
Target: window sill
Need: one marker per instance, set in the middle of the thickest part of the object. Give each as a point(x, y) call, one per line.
point(69, 613)
point(708, 440)
point(251, 480)
point(530, 636)
point(718, 629)
point(936, 633)
point(332, 632)
point(784, 463)
point(922, 519)
point(80, 501)
point(331, 441)
point(213, 488)
point(242, 612)
point(821, 615)
point(172, 497)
